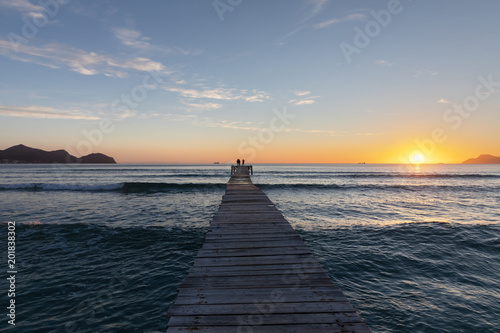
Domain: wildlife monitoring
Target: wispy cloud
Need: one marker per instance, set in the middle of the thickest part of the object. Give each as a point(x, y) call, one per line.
point(201, 106)
point(249, 126)
point(313, 8)
point(444, 101)
point(99, 10)
point(424, 71)
point(136, 40)
point(56, 55)
point(223, 94)
point(350, 17)
point(281, 40)
point(35, 111)
point(305, 100)
point(167, 116)
point(317, 5)
point(238, 125)
point(196, 120)
point(384, 63)
point(131, 38)
point(23, 6)
point(316, 131)
point(302, 93)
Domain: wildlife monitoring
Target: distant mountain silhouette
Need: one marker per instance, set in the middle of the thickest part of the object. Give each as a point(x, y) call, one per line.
point(97, 158)
point(23, 154)
point(483, 159)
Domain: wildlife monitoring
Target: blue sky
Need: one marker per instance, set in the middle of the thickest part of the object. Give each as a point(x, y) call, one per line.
point(195, 81)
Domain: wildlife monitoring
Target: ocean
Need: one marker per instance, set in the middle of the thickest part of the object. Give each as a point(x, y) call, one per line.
point(102, 248)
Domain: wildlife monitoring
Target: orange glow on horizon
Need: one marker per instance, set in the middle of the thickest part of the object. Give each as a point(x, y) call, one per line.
point(283, 156)
point(290, 149)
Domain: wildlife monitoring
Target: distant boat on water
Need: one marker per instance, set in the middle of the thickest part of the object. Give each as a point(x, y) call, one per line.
point(362, 163)
point(216, 162)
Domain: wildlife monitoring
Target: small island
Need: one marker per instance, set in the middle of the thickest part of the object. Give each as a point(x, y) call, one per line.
point(483, 159)
point(22, 154)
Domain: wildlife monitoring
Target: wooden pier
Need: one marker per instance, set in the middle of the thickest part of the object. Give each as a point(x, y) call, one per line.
point(255, 274)
point(235, 168)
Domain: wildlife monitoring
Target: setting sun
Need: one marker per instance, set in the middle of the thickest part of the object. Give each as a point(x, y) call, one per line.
point(417, 158)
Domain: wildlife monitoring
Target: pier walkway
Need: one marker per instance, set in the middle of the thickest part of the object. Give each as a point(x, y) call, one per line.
point(255, 274)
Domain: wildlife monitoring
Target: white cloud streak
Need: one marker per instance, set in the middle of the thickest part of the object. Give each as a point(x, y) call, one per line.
point(196, 120)
point(223, 94)
point(35, 111)
point(281, 40)
point(350, 17)
point(247, 126)
point(131, 38)
point(302, 93)
point(313, 8)
point(305, 100)
point(201, 106)
point(56, 55)
point(23, 6)
point(424, 71)
point(136, 40)
point(383, 63)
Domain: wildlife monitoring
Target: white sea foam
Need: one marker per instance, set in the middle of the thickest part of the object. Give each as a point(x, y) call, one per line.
point(62, 187)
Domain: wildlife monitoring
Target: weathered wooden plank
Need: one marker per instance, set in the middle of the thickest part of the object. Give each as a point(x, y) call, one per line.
point(238, 273)
point(286, 280)
point(252, 296)
point(237, 200)
point(245, 237)
point(254, 224)
point(225, 282)
point(242, 213)
point(248, 218)
point(224, 232)
point(247, 205)
point(243, 261)
point(259, 290)
point(265, 319)
point(268, 307)
point(233, 228)
point(309, 328)
point(230, 244)
point(228, 232)
point(252, 252)
point(298, 268)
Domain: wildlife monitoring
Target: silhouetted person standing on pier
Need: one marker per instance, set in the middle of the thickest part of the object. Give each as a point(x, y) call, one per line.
point(238, 162)
point(243, 162)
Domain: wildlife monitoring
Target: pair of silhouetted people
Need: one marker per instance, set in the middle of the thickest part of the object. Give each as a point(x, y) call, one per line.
point(238, 162)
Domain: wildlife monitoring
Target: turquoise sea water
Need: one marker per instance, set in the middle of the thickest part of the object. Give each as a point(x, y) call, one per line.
point(103, 248)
